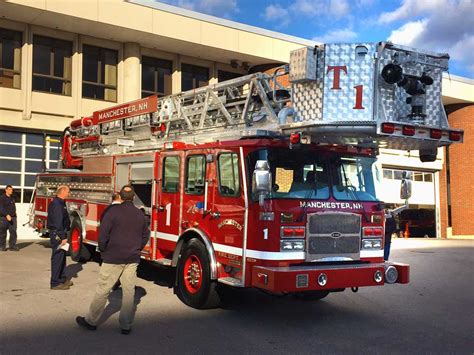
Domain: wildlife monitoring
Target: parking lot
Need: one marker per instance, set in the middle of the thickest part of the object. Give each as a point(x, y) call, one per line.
point(432, 314)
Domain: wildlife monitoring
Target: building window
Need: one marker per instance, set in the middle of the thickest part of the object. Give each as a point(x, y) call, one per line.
point(420, 176)
point(156, 76)
point(223, 75)
point(99, 73)
point(10, 58)
point(22, 157)
point(193, 76)
point(52, 65)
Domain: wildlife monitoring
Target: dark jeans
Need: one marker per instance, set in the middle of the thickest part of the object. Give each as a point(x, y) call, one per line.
point(386, 249)
point(11, 228)
point(58, 261)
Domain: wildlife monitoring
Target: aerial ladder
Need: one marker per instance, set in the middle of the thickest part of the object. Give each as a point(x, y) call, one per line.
point(376, 95)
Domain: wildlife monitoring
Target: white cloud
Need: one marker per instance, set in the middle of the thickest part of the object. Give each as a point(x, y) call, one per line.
point(412, 8)
point(308, 8)
point(337, 36)
point(446, 28)
point(339, 8)
point(409, 31)
point(277, 13)
point(222, 8)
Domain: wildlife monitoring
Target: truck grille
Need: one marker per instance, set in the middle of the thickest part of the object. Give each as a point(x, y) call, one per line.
point(333, 236)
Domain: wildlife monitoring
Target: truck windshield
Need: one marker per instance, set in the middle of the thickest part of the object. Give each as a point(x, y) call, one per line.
point(352, 178)
point(302, 174)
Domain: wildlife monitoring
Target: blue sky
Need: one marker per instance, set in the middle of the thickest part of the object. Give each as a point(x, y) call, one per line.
point(445, 26)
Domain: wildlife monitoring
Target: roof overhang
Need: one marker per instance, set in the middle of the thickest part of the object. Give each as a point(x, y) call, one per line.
point(159, 26)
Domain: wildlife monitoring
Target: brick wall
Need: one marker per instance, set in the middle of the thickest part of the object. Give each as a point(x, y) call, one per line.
point(461, 163)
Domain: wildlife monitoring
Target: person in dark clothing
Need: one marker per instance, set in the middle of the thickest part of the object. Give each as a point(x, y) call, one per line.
point(116, 200)
point(123, 234)
point(58, 224)
point(390, 228)
point(8, 220)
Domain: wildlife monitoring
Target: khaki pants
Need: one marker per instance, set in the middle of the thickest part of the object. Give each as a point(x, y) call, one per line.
point(108, 276)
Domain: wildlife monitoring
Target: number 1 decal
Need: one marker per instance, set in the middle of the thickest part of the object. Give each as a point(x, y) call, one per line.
point(168, 214)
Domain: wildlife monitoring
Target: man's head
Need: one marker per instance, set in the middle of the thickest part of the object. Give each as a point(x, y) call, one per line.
point(116, 197)
point(62, 192)
point(9, 190)
point(127, 193)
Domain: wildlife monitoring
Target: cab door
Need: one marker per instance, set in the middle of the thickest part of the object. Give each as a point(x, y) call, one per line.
point(227, 211)
point(168, 202)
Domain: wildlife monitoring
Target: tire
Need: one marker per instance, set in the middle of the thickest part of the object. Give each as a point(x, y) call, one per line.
point(312, 295)
point(78, 251)
point(194, 286)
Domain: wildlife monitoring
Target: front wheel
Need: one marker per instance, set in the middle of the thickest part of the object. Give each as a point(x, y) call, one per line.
point(193, 277)
point(77, 249)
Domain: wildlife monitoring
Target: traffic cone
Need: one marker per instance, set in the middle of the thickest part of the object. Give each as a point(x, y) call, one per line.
point(407, 231)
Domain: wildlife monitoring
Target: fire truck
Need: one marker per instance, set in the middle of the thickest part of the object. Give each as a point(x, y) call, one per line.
point(265, 181)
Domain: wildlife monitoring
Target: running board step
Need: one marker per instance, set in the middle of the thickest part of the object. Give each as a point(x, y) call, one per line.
point(163, 261)
point(231, 281)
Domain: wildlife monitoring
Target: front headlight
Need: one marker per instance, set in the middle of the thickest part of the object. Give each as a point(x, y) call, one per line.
point(292, 245)
point(370, 244)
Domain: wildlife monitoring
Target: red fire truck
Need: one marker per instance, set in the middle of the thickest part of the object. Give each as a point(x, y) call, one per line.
point(252, 183)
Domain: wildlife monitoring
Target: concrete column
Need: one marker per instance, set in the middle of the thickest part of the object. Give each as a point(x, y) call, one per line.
point(27, 72)
point(131, 72)
point(213, 73)
point(176, 75)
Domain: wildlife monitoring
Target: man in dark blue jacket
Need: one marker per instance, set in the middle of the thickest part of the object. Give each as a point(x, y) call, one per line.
point(8, 220)
point(58, 225)
point(123, 234)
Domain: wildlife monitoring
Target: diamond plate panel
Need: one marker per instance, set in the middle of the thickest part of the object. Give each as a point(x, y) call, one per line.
point(302, 65)
point(339, 104)
point(308, 97)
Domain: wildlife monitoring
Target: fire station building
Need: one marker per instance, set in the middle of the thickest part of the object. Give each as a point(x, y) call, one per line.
point(60, 62)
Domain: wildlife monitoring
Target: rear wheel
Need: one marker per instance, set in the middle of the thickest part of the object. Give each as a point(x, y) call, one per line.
point(77, 249)
point(193, 277)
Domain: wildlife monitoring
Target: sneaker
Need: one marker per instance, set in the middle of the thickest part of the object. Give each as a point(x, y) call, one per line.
point(3, 249)
point(62, 286)
point(125, 331)
point(83, 323)
point(14, 249)
point(69, 282)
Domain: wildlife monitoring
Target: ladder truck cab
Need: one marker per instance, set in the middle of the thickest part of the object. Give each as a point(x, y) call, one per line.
point(251, 183)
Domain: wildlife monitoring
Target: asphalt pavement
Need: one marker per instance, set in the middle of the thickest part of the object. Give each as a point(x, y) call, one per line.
point(434, 314)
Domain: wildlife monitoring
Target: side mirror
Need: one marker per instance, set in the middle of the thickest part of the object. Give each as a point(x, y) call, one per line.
point(405, 188)
point(261, 180)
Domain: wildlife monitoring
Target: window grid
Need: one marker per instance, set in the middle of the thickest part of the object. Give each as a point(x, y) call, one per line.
point(10, 58)
point(53, 77)
point(25, 185)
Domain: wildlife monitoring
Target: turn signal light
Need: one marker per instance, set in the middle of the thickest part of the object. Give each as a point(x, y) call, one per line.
point(455, 136)
point(373, 232)
point(408, 130)
point(295, 138)
point(292, 232)
point(388, 128)
point(435, 133)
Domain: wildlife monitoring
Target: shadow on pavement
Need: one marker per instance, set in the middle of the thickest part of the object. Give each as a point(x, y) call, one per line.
point(161, 276)
point(73, 270)
point(44, 243)
point(23, 245)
